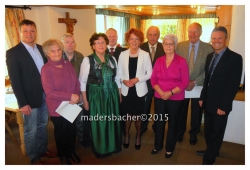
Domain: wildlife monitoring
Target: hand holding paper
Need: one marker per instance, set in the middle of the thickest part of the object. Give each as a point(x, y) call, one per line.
point(68, 111)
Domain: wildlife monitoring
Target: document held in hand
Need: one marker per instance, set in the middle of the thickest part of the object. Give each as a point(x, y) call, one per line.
point(68, 111)
point(195, 93)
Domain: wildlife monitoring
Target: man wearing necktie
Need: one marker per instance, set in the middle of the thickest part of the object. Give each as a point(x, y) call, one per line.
point(222, 79)
point(155, 49)
point(195, 51)
point(113, 49)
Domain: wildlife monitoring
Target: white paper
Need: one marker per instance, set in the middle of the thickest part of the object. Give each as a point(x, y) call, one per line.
point(195, 93)
point(68, 111)
point(11, 101)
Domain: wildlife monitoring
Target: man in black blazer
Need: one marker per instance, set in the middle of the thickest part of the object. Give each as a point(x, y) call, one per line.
point(153, 34)
point(24, 62)
point(113, 48)
point(222, 79)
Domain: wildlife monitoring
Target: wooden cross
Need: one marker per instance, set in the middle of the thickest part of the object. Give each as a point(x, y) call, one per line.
point(69, 23)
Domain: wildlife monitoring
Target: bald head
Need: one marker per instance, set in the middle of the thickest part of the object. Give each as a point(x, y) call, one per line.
point(194, 32)
point(112, 36)
point(153, 34)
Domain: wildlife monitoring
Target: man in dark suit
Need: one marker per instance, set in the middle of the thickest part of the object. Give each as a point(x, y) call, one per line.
point(151, 46)
point(196, 78)
point(24, 62)
point(113, 48)
point(222, 79)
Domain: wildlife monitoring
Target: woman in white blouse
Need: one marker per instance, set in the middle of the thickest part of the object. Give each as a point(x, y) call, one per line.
point(134, 69)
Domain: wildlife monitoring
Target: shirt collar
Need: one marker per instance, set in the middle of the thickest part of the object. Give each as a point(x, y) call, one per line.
point(195, 44)
point(152, 45)
point(112, 47)
point(28, 46)
point(65, 57)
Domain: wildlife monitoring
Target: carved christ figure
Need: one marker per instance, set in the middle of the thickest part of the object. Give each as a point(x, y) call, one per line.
point(69, 23)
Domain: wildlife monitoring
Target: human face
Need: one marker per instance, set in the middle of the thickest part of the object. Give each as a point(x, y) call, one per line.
point(28, 34)
point(69, 44)
point(100, 45)
point(194, 33)
point(54, 53)
point(134, 42)
point(218, 40)
point(168, 46)
point(153, 35)
point(112, 36)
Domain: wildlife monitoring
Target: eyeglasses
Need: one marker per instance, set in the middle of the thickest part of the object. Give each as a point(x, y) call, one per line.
point(100, 43)
point(168, 44)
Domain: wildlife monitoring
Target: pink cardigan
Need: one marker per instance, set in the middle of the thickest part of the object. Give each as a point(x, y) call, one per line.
point(59, 84)
point(177, 74)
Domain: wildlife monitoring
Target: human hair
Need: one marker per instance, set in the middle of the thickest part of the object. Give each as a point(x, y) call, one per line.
point(26, 22)
point(96, 36)
point(155, 27)
point(111, 29)
point(172, 37)
point(197, 24)
point(66, 35)
point(138, 33)
point(220, 28)
point(47, 44)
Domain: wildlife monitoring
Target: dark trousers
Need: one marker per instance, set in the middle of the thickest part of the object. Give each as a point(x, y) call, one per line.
point(147, 108)
point(86, 128)
point(214, 128)
point(196, 116)
point(79, 125)
point(65, 135)
point(166, 110)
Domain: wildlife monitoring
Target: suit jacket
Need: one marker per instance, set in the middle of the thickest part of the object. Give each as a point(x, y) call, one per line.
point(143, 72)
point(223, 84)
point(117, 52)
point(204, 49)
point(158, 53)
point(24, 76)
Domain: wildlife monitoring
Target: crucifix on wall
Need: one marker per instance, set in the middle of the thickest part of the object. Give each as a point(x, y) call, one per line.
point(69, 23)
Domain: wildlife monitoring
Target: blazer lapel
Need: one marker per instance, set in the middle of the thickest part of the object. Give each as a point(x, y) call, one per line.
point(222, 60)
point(199, 55)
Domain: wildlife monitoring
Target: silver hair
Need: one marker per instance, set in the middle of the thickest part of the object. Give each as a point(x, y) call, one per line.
point(172, 37)
point(66, 35)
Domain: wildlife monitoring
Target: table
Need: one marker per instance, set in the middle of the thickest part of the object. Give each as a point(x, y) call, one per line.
point(11, 105)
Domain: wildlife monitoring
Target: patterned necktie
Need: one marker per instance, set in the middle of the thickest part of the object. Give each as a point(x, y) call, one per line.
point(112, 51)
point(191, 60)
point(153, 53)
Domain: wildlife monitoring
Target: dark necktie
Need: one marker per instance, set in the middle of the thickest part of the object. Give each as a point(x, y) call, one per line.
point(112, 51)
point(212, 66)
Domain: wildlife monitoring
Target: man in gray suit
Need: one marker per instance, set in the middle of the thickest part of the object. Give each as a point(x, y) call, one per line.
point(198, 50)
point(153, 34)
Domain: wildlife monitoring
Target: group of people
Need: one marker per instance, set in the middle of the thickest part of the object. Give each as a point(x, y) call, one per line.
point(115, 82)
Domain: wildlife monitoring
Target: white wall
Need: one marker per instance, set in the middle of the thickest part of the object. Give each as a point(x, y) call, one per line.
point(46, 19)
point(237, 39)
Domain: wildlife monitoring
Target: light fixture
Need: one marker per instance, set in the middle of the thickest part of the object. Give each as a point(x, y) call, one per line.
point(200, 9)
point(139, 8)
point(156, 10)
point(217, 20)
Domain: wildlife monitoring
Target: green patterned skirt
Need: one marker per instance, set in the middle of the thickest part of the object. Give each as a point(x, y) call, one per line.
point(104, 113)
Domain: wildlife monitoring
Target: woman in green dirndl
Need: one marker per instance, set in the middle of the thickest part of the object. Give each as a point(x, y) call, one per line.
point(101, 96)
